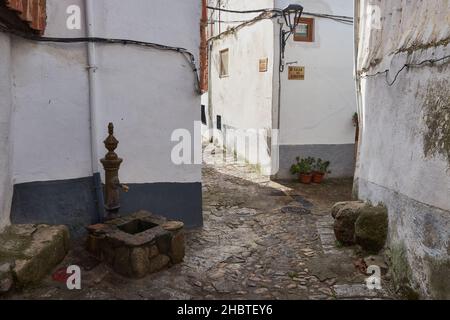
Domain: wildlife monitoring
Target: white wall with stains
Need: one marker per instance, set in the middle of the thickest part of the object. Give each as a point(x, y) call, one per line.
point(244, 98)
point(147, 93)
point(51, 103)
point(404, 159)
point(5, 132)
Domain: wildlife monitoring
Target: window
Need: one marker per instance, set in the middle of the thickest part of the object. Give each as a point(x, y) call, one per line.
point(219, 123)
point(204, 114)
point(305, 30)
point(224, 63)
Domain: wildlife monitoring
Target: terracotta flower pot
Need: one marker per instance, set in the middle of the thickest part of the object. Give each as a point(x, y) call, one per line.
point(306, 178)
point(318, 177)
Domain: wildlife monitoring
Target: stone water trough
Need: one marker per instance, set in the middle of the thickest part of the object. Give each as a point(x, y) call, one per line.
point(138, 245)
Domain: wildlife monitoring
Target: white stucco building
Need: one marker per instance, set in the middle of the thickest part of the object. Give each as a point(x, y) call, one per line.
point(306, 116)
point(404, 160)
point(58, 98)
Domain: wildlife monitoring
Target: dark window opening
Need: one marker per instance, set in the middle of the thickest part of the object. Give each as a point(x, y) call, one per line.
point(219, 123)
point(203, 114)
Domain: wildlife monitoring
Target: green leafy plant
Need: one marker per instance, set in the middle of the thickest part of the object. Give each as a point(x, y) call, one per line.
point(321, 166)
point(355, 119)
point(303, 166)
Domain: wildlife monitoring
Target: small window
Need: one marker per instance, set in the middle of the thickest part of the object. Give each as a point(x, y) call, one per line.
point(224, 63)
point(305, 30)
point(204, 114)
point(219, 123)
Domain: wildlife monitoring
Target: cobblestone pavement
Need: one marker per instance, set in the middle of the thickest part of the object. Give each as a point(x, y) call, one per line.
point(261, 240)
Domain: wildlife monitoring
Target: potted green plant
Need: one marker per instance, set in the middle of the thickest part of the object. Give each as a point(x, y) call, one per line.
point(303, 169)
point(320, 170)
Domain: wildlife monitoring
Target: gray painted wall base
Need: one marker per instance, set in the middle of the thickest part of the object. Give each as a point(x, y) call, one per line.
point(69, 202)
point(342, 158)
point(73, 202)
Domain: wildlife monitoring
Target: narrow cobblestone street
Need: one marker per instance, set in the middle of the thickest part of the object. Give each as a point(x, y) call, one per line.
point(261, 240)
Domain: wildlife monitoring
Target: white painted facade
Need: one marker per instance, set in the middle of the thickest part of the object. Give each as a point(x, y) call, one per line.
point(147, 94)
point(404, 160)
point(243, 98)
point(316, 113)
point(319, 110)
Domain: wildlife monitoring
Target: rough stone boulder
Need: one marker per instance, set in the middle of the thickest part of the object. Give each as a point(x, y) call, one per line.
point(371, 228)
point(340, 205)
point(346, 215)
point(29, 252)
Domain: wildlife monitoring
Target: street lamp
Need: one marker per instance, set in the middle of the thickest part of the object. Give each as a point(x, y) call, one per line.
point(292, 14)
point(295, 10)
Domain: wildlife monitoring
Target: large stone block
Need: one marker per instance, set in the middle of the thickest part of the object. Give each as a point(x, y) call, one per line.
point(140, 262)
point(371, 228)
point(345, 219)
point(34, 250)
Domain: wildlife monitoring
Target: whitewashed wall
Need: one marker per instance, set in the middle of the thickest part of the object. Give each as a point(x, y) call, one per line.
point(5, 125)
point(51, 104)
point(404, 157)
point(316, 113)
point(244, 98)
point(148, 93)
point(52, 93)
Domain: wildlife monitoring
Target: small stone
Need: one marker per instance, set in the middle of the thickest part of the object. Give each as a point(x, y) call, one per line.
point(6, 285)
point(224, 286)
point(177, 248)
point(326, 291)
point(158, 263)
point(292, 286)
point(140, 262)
point(97, 228)
point(5, 270)
point(173, 225)
point(261, 291)
point(153, 252)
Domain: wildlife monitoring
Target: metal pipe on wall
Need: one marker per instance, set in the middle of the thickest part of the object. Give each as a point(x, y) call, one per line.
point(93, 105)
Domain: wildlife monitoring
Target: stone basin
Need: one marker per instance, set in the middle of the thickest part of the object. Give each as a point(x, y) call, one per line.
point(139, 244)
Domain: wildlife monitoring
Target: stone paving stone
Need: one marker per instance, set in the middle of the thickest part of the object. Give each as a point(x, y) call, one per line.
point(357, 291)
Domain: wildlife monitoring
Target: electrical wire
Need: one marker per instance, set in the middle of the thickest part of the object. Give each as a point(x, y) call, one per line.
point(243, 11)
point(279, 12)
point(184, 52)
point(405, 66)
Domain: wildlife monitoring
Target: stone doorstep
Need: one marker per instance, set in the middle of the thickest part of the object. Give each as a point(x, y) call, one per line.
point(41, 248)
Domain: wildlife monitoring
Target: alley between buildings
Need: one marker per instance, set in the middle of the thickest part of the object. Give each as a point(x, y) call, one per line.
point(261, 240)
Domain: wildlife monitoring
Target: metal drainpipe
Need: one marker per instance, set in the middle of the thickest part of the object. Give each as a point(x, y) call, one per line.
point(93, 106)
